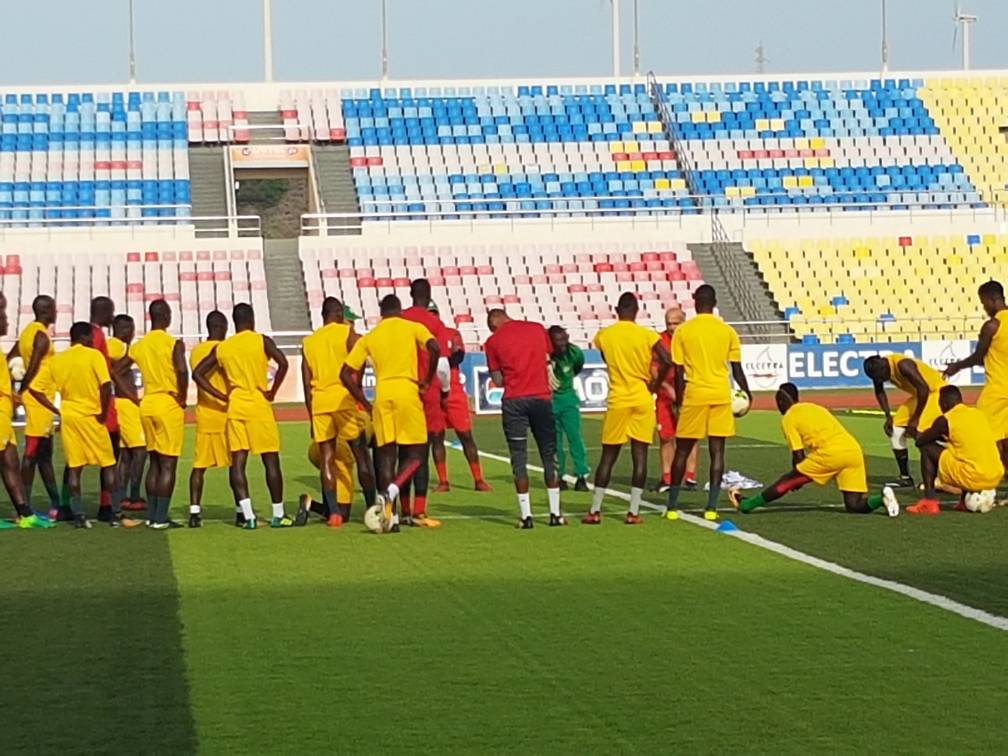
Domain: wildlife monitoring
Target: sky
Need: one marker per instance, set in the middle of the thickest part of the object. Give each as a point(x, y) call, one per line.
point(63, 42)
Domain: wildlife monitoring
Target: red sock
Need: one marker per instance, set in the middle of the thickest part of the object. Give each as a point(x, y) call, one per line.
point(666, 478)
point(420, 505)
point(106, 499)
point(406, 473)
point(442, 471)
point(404, 505)
point(477, 470)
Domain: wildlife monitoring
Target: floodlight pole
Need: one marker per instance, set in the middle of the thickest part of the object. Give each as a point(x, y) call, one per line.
point(132, 45)
point(267, 10)
point(885, 38)
point(384, 40)
point(636, 38)
point(615, 38)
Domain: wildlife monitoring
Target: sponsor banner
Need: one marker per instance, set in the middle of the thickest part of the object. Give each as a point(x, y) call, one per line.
point(591, 386)
point(828, 366)
point(765, 365)
point(270, 156)
point(940, 354)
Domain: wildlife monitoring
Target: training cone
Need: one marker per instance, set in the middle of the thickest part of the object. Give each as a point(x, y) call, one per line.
point(727, 526)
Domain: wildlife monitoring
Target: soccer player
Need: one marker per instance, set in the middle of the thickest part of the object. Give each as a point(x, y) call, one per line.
point(81, 378)
point(517, 355)
point(10, 466)
point(161, 359)
point(566, 361)
point(251, 428)
point(211, 420)
point(702, 350)
point(921, 382)
point(335, 420)
point(821, 450)
point(102, 317)
point(398, 411)
point(132, 443)
point(960, 447)
point(991, 352)
point(455, 407)
point(628, 350)
point(665, 416)
point(36, 351)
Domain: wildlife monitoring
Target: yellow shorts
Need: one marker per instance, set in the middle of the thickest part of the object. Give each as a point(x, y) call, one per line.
point(698, 421)
point(622, 424)
point(259, 436)
point(962, 474)
point(995, 407)
point(38, 420)
point(845, 464)
point(903, 413)
point(86, 442)
point(163, 424)
point(131, 432)
point(343, 425)
point(211, 450)
point(399, 419)
point(7, 435)
point(343, 466)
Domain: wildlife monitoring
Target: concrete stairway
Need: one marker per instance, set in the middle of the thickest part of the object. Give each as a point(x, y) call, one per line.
point(287, 300)
point(336, 185)
point(209, 185)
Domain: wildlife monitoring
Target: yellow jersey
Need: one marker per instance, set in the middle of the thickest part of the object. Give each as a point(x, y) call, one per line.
point(243, 360)
point(78, 375)
point(211, 415)
point(813, 428)
point(325, 351)
point(971, 440)
point(704, 346)
point(42, 382)
point(996, 360)
point(6, 397)
point(931, 377)
point(117, 348)
point(153, 355)
point(391, 345)
point(626, 348)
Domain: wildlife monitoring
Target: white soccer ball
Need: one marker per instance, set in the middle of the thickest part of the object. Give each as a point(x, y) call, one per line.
point(17, 368)
point(374, 518)
point(739, 403)
point(982, 502)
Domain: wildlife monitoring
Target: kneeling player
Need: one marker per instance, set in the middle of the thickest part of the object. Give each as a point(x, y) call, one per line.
point(833, 453)
point(969, 460)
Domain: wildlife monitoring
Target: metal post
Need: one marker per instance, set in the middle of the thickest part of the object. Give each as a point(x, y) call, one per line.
point(885, 38)
point(132, 45)
point(636, 38)
point(615, 38)
point(966, 45)
point(384, 40)
point(267, 40)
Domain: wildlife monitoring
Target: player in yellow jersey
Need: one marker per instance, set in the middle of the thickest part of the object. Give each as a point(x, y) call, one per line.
point(921, 382)
point(81, 378)
point(342, 473)
point(10, 465)
point(703, 350)
point(251, 428)
point(821, 450)
point(211, 421)
point(992, 352)
point(628, 350)
point(132, 444)
point(161, 359)
point(36, 350)
point(335, 420)
point(397, 413)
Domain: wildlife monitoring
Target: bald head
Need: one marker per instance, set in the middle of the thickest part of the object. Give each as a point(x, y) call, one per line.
point(496, 318)
point(44, 309)
point(674, 317)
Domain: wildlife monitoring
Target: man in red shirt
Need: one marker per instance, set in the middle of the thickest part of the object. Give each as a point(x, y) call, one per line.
point(674, 317)
point(517, 355)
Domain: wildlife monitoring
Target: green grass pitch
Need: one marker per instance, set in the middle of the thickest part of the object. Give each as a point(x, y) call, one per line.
point(479, 638)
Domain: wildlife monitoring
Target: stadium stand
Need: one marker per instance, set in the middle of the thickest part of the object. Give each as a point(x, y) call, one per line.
point(213, 117)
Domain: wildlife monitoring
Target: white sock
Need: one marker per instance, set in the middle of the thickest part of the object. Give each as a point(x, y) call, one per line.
point(246, 508)
point(597, 495)
point(392, 492)
point(194, 509)
point(635, 500)
point(554, 500)
point(278, 509)
point(395, 518)
point(525, 505)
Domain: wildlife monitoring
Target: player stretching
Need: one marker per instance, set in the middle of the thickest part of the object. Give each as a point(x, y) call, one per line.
point(821, 450)
point(991, 352)
point(665, 416)
point(36, 351)
point(455, 407)
point(251, 428)
point(335, 420)
point(211, 419)
point(81, 378)
point(132, 443)
point(968, 460)
point(517, 355)
point(566, 361)
point(10, 466)
point(921, 382)
point(161, 359)
point(702, 350)
point(398, 412)
point(628, 350)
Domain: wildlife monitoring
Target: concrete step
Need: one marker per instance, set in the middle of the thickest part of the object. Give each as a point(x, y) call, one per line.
point(208, 182)
point(336, 185)
point(288, 301)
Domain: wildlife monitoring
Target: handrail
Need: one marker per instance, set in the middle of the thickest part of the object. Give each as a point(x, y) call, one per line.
point(216, 226)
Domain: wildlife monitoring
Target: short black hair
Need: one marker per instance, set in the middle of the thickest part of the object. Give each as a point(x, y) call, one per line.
point(420, 288)
point(556, 329)
point(122, 319)
point(627, 302)
point(991, 290)
point(872, 363)
point(41, 301)
point(216, 319)
point(243, 314)
point(331, 306)
point(389, 304)
point(100, 302)
point(950, 392)
point(79, 330)
point(705, 295)
point(789, 389)
point(159, 309)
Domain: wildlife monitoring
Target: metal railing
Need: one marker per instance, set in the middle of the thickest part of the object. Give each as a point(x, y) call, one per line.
point(201, 226)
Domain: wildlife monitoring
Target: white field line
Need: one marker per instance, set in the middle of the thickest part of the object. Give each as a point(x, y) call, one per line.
point(925, 597)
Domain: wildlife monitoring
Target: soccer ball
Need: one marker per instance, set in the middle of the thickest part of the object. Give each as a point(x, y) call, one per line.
point(982, 502)
point(374, 519)
point(17, 368)
point(739, 404)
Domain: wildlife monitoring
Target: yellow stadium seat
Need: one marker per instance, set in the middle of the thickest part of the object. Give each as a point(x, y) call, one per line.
point(790, 182)
point(762, 124)
point(631, 146)
point(777, 124)
point(732, 192)
point(500, 169)
point(817, 143)
point(678, 183)
point(697, 116)
point(804, 181)
point(623, 166)
point(638, 165)
point(662, 183)
point(639, 127)
point(616, 147)
point(713, 116)
point(654, 127)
